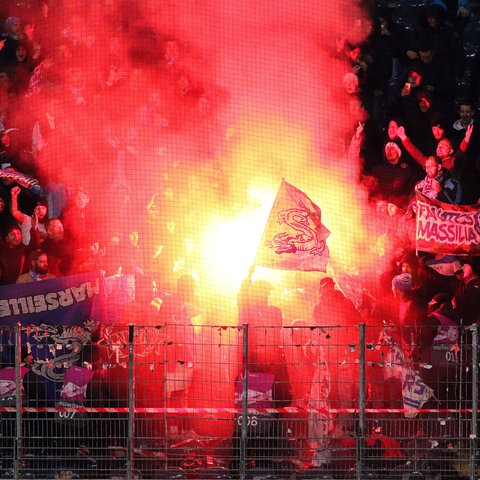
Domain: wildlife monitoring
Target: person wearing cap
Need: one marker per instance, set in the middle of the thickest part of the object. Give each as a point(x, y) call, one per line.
point(393, 177)
point(392, 145)
point(402, 283)
point(391, 136)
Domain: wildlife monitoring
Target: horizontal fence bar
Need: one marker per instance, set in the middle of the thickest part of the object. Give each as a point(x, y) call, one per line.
point(331, 411)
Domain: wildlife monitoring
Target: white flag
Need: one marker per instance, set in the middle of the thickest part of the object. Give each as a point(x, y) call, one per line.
point(294, 237)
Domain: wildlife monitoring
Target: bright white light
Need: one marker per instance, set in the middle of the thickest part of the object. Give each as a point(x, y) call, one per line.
point(230, 247)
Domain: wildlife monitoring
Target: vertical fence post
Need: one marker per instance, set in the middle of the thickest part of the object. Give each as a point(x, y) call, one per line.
point(131, 405)
point(165, 393)
point(474, 425)
point(243, 438)
point(360, 444)
point(18, 401)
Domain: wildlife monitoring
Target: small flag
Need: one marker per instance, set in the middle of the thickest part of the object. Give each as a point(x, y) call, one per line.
point(415, 393)
point(446, 265)
point(294, 237)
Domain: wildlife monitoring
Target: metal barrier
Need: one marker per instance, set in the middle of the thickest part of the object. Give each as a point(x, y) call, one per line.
point(200, 402)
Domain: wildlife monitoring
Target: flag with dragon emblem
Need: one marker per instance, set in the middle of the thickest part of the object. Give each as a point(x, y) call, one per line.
point(294, 237)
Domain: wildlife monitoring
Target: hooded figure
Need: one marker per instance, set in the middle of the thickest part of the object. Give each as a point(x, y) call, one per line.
point(443, 37)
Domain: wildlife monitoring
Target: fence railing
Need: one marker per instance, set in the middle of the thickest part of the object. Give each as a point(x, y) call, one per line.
point(225, 402)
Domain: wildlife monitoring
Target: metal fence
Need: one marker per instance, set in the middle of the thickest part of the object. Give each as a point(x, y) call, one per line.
point(237, 402)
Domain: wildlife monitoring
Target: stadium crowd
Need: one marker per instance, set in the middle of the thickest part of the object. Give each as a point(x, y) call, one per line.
point(417, 75)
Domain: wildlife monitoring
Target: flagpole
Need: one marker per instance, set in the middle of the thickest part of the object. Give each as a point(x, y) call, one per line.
point(274, 205)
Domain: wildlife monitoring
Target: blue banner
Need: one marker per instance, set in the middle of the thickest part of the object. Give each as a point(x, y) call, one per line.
point(57, 319)
point(60, 301)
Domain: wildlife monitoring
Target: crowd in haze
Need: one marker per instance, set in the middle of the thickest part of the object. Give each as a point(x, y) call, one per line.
point(56, 73)
point(416, 77)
